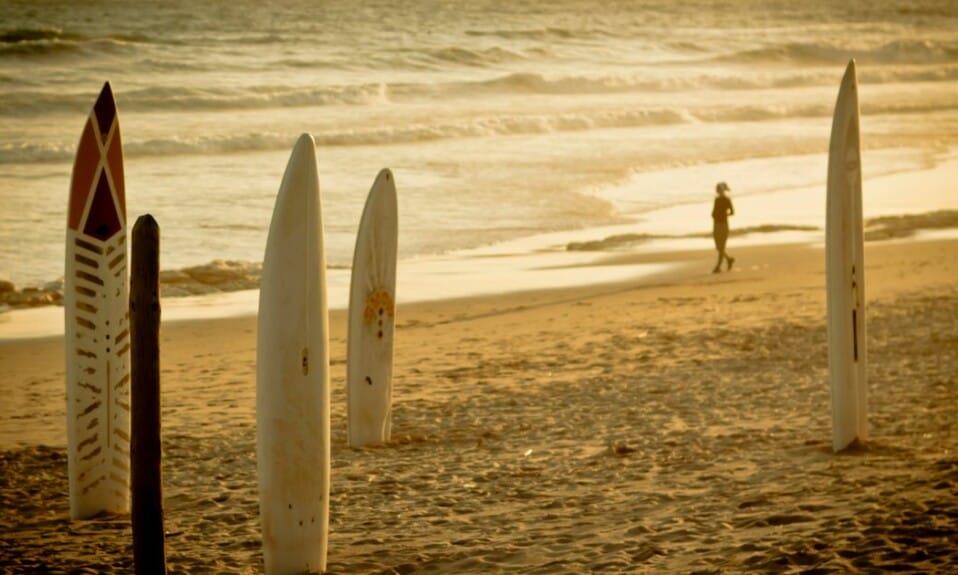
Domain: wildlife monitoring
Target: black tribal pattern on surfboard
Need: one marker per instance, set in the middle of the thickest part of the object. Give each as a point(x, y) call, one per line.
point(102, 389)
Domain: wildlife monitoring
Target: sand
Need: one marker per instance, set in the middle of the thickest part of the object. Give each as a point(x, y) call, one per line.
point(678, 423)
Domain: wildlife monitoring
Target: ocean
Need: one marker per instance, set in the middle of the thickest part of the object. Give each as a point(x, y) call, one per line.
point(501, 120)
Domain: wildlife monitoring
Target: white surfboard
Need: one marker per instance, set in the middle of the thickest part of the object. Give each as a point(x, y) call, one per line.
point(292, 375)
point(372, 317)
point(96, 320)
point(845, 272)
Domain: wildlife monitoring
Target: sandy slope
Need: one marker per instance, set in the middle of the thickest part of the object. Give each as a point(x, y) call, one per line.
point(677, 424)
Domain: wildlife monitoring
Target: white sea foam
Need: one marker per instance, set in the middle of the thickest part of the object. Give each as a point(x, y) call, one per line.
point(491, 125)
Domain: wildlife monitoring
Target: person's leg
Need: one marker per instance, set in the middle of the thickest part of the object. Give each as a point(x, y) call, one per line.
point(720, 233)
point(715, 237)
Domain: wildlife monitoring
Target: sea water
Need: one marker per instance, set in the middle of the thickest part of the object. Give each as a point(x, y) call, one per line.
point(501, 120)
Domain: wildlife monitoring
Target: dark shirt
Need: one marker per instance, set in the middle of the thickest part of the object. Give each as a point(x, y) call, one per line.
point(722, 209)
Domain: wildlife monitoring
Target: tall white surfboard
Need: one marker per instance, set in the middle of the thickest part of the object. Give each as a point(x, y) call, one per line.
point(845, 271)
point(292, 375)
point(96, 320)
point(372, 317)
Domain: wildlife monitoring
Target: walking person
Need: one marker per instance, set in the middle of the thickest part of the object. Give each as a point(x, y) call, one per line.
point(721, 210)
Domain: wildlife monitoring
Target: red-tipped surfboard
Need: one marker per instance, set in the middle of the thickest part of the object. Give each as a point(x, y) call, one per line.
point(372, 317)
point(96, 316)
point(292, 375)
point(845, 271)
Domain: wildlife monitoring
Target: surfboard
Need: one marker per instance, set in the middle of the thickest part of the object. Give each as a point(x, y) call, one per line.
point(845, 271)
point(96, 320)
point(292, 375)
point(372, 317)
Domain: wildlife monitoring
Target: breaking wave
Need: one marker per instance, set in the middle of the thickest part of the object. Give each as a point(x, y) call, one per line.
point(22, 103)
point(216, 276)
point(544, 33)
point(534, 83)
point(896, 227)
point(896, 52)
point(26, 42)
point(486, 126)
point(263, 141)
point(213, 277)
point(876, 229)
point(621, 241)
point(162, 98)
point(472, 57)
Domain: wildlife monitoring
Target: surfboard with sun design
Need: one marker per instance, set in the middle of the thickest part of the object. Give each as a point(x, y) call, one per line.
point(372, 317)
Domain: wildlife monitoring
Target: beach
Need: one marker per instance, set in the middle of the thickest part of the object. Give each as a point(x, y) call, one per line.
point(675, 422)
point(574, 391)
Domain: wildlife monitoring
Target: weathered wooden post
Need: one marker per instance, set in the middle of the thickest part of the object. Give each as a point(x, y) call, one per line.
point(149, 547)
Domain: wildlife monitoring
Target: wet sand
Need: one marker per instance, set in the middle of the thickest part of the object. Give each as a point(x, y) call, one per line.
point(676, 423)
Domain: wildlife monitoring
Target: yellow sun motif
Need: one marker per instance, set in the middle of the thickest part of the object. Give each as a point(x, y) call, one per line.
point(378, 304)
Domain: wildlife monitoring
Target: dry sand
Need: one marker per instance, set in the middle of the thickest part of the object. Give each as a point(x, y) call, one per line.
point(674, 424)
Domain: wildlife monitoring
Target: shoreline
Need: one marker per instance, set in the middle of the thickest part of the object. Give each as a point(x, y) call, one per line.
point(486, 273)
point(797, 213)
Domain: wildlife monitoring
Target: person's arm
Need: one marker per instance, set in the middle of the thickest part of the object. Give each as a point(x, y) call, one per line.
point(731, 209)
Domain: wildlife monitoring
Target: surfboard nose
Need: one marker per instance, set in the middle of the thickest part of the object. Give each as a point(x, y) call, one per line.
point(105, 110)
point(851, 74)
point(305, 144)
point(385, 185)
